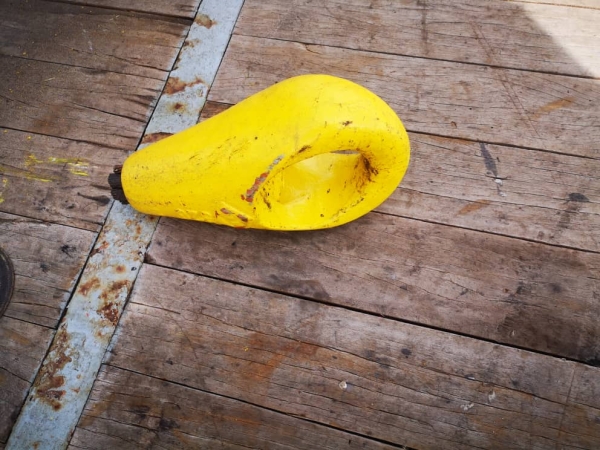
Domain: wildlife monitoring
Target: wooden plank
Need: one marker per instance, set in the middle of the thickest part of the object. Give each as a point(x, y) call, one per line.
point(55, 180)
point(22, 347)
point(47, 259)
point(130, 410)
point(115, 41)
point(87, 105)
point(548, 112)
point(507, 290)
point(175, 8)
point(96, 38)
point(377, 377)
point(531, 194)
point(521, 36)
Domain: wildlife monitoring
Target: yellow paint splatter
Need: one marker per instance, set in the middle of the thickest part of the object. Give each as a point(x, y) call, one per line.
point(75, 165)
point(31, 160)
point(3, 188)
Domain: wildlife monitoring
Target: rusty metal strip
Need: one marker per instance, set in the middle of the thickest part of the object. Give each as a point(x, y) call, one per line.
point(65, 379)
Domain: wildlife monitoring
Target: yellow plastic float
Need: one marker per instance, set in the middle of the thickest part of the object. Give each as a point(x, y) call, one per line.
point(310, 152)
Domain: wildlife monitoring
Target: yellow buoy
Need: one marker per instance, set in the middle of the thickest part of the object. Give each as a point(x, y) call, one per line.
point(313, 151)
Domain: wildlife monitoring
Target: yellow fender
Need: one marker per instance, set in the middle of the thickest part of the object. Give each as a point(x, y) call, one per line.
point(313, 151)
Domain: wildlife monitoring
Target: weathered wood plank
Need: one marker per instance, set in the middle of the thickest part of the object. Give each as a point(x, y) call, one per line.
point(531, 194)
point(175, 8)
point(548, 112)
point(22, 347)
point(55, 180)
point(96, 38)
point(129, 410)
point(89, 105)
point(526, 294)
point(498, 33)
point(402, 383)
point(47, 260)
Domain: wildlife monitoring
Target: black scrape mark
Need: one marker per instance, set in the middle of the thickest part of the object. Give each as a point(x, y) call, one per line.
point(101, 199)
point(167, 424)
point(577, 197)
point(44, 267)
point(67, 249)
point(140, 410)
point(346, 123)
point(489, 162)
point(593, 362)
point(406, 352)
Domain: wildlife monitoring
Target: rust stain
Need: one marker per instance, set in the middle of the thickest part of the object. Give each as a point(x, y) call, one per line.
point(89, 285)
point(120, 268)
point(48, 380)
point(471, 207)
point(115, 287)
point(242, 218)
point(303, 149)
point(138, 229)
point(556, 104)
point(177, 107)
point(100, 248)
point(205, 21)
point(155, 137)
point(249, 197)
point(110, 312)
point(175, 85)
point(225, 211)
point(191, 43)
point(36, 445)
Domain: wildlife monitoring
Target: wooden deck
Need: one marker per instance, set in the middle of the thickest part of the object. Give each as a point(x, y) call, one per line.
point(462, 313)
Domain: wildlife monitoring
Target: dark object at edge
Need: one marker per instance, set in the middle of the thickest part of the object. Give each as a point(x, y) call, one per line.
point(116, 187)
point(7, 281)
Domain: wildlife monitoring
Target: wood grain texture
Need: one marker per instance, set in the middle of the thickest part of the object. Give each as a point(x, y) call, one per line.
point(481, 103)
point(402, 383)
point(530, 194)
point(175, 8)
point(498, 33)
point(22, 347)
point(127, 410)
point(526, 294)
point(55, 180)
point(96, 38)
point(47, 260)
point(87, 105)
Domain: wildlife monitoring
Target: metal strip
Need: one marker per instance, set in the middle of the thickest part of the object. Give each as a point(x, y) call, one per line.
point(60, 391)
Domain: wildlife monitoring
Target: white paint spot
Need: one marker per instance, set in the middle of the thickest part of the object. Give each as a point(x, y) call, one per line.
point(343, 385)
point(498, 181)
point(491, 397)
point(467, 406)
